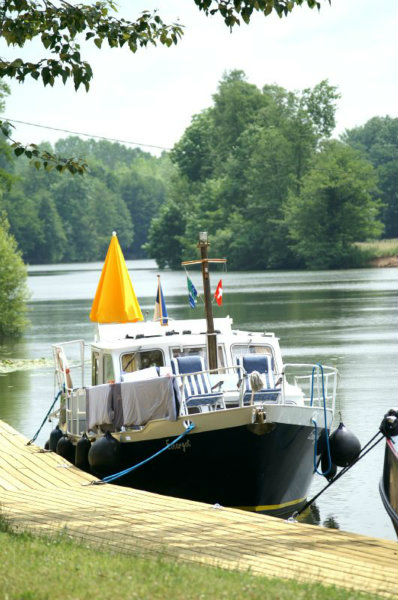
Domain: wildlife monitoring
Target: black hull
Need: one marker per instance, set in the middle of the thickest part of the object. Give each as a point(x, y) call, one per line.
point(244, 467)
point(388, 486)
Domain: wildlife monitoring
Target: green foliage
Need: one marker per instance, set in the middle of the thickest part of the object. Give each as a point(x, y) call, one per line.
point(194, 152)
point(238, 161)
point(57, 27)
point(234, 10)
point(13, 287)
point(58, 218)
point(334, 209)
point(142, 195)
point(386, 248)
point(47, 160)
point(165, 236)
point(236, 104)
point(377, 142)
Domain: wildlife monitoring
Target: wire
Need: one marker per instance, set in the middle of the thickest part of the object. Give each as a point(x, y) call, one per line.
point(90, 135)
point(33, 439)
point(342, 472)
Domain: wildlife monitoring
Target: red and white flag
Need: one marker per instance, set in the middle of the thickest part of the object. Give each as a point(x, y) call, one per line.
point(218, 293)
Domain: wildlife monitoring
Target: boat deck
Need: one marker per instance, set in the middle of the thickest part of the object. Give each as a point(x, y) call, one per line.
point(40, 492)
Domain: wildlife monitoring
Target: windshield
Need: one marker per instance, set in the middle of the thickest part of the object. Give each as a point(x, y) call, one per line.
point(198, 350)
point(135, 361)
point(239, 350)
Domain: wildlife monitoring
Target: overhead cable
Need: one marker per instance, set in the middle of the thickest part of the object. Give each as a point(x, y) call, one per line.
point(89, 135)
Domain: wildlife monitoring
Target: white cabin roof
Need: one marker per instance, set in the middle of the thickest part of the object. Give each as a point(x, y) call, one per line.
point(112, 332)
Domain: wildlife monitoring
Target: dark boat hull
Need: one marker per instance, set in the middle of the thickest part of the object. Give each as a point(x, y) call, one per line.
point(266, 469)
point(389, 482)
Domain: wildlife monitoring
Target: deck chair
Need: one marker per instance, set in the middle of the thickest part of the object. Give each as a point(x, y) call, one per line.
point(198, 390)
point(263, 365)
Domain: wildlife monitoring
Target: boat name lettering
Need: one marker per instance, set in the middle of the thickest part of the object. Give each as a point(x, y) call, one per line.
point(180, 445)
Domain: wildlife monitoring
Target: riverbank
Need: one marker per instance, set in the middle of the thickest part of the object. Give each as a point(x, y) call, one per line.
point(35, 567)
point(379, 253)
point(384, 262)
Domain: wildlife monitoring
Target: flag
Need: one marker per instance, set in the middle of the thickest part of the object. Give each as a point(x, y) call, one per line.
point(192, 293)
point(218, 293)
point(160, 312)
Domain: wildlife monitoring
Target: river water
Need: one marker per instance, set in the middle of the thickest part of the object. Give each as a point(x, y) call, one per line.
point(346, 319)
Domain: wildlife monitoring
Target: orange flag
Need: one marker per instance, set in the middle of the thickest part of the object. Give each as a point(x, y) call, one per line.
point(115, 300)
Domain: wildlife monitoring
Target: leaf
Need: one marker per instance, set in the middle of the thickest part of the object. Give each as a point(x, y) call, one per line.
point(19, 151)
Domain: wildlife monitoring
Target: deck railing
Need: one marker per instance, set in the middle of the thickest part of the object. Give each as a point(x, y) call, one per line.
point(315, 382)
point(299, 383)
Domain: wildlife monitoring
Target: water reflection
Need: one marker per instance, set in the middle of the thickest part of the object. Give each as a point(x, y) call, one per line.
point(312, 516)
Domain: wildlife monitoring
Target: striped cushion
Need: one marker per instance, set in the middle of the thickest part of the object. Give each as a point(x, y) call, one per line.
point(263, 365)
point(197, 388)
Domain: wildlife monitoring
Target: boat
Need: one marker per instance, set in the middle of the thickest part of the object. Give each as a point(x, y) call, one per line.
point(388, 486)
point(208, 412)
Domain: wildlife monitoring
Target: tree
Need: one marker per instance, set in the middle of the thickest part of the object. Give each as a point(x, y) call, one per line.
point(13, 288)
point(194, 153)
point(377, 141)
point(165, 238)
point(143, 196)
point(336, 207)
point(239, 159)
point(58, 27)
point(236, 104)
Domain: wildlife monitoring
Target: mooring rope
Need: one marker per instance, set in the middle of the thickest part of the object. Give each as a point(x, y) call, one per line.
point(316, 463)
point(110, 478)
point(45, 419)
point(316, 424)
point(342, 472)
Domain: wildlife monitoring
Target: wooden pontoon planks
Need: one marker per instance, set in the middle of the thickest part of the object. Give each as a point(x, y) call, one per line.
point(41, 492)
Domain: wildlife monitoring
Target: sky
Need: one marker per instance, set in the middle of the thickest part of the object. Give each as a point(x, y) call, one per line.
point(150, 97)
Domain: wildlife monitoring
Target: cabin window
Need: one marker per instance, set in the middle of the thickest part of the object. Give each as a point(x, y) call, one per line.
point(198, 350)
point(109, 374)
point(135, 361)
point(239, 350)
point(94, 368)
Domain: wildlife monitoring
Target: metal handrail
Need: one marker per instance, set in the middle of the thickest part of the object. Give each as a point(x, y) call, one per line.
point(329, 373)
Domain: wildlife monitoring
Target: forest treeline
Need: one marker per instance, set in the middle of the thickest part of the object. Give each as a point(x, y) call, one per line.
point(258, 170)
point(59, 217)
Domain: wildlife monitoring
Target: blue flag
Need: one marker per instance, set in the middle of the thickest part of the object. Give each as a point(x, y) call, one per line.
point(192, 293)
point(160, 312)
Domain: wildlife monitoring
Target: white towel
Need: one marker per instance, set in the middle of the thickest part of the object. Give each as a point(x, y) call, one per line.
point(99, 405)
point(143, 401)
point(148, 373)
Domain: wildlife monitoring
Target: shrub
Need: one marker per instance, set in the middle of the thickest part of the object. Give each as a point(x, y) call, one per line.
point(13, 286)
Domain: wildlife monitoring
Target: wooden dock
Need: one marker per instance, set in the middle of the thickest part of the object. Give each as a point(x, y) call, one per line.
point(40, 492)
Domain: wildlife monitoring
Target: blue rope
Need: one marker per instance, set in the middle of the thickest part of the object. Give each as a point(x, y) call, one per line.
point(316, 425)
point(45, 419)
point(111, 478)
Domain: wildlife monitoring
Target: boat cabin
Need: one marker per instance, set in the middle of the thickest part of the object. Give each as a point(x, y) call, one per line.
point(127, 348)
point(157, 371)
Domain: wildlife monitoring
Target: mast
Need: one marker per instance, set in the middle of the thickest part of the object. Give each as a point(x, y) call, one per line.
point(204, 261)
point(211, 335)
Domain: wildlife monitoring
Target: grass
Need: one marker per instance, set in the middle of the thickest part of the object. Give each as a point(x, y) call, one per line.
point(379, 248)
point(52, 568)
